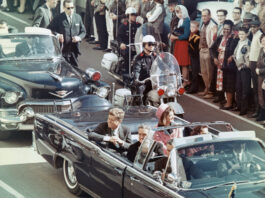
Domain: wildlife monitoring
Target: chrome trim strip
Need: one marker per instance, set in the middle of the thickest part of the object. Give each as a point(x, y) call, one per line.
point(89, 191)
point(46, 103)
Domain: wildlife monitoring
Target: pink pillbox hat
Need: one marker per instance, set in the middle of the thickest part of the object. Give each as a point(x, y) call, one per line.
point(161, 110)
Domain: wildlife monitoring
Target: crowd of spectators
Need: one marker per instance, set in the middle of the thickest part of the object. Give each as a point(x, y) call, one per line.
point(228, 55)
point(223, 57)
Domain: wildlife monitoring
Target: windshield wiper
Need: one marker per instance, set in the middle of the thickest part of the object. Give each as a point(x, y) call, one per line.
point(259, 182)
point(226, 184)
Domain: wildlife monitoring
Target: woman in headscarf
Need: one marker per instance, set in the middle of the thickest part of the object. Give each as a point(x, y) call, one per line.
point(180, 35)
point(165, 115)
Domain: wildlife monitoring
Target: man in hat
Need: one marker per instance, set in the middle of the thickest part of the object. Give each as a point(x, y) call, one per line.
point(253, 58)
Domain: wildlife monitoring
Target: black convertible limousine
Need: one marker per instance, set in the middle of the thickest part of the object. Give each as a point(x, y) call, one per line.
point(198, 166)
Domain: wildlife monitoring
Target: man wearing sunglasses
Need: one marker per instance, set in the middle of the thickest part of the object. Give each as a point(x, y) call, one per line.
point(143, 62)
point(126, 35)
point(70, 30)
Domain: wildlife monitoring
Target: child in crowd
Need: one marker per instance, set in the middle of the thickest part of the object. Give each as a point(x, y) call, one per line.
point(194, 40)
point(243, 82)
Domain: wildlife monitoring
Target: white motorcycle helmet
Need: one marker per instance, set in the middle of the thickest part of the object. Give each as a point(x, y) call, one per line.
point(130, 10)
point(150, 40)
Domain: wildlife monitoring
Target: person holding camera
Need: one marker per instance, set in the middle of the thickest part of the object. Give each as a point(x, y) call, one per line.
point(180, 36)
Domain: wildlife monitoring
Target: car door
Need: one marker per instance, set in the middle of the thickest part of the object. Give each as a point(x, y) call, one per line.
point(139, 184)
point(107, 172)
point(138, 180)
point(103, 176)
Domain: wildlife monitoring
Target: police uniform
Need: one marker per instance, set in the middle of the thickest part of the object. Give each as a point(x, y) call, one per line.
point(141, 69)
point(123, 37)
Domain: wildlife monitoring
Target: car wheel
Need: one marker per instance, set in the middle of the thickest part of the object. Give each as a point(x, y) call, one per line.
point(70, 178)
point(4, 135)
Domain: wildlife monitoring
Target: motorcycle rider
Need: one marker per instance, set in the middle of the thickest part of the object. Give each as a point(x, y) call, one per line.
point(142, 64)
point(125, 32)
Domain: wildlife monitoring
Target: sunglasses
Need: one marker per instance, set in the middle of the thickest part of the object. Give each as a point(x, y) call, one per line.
point(151, 44)
point(70, 8)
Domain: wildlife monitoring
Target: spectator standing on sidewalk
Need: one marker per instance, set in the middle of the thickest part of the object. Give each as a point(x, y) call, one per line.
point(243, 79)
point(253, 58)
point(194, 40)
point(237, 11)
point(117, 14)
point(260, 71)
point(99, 13)
point(208, 34)
point(222, 51)
point(43, 15)
point(69, 28)
point(181, 35)
point(109, 23)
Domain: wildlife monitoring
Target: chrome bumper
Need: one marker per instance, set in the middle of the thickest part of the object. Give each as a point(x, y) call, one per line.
point(11, 120)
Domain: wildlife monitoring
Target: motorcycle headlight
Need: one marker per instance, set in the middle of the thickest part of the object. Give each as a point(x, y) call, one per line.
point(102, 92)
point(11, 97)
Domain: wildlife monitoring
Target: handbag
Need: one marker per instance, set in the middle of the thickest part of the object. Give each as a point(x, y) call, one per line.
point(178, 31)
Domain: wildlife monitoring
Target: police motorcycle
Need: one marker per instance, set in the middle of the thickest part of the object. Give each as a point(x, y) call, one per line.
point(169, 81)
point(166, 81)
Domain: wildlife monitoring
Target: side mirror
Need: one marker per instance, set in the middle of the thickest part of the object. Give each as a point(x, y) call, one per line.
point(157, 175)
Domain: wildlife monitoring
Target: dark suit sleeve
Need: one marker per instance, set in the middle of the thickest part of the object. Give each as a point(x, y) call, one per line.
point(38, 17)
point(54, 25)
point(82, 31)
point(132, 151)
point(159, 149)
point(98, 133)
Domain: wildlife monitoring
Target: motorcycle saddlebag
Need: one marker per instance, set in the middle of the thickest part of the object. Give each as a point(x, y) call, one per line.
point(108, 59)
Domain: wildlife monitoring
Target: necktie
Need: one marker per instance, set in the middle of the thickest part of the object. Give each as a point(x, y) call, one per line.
point(50, 15)
point(70, 20)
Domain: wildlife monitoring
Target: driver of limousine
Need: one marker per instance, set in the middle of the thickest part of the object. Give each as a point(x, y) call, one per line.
point(113, 132)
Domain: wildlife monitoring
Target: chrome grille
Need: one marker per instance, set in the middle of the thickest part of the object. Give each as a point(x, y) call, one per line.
point(48, 108)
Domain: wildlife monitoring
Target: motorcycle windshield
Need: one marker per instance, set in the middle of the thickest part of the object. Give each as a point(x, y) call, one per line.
point(165, 73)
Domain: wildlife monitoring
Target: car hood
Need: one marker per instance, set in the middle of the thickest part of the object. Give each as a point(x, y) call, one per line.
point(38, 77)
point(242, 191)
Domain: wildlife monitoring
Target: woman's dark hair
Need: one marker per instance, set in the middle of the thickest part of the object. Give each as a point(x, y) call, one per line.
point(164, 115)
point(243, 29)
point(229, 22)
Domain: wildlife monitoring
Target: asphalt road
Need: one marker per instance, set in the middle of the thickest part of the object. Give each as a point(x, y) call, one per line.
point(24, 174)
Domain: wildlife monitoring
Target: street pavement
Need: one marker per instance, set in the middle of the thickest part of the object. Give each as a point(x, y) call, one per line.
point(24, 174)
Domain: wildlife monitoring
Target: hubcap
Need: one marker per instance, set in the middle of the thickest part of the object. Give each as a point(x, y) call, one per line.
point(71, 173)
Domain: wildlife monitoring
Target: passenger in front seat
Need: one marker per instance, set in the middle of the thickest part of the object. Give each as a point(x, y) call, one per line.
point(143, 131)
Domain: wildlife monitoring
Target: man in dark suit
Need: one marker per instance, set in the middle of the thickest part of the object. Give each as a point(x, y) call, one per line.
point(43, 15)
point(116, 135)
point(143, 130)
point(70, 30)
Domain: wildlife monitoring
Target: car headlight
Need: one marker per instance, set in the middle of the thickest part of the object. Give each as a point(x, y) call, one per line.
point(11, 97)
point(102, 92)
